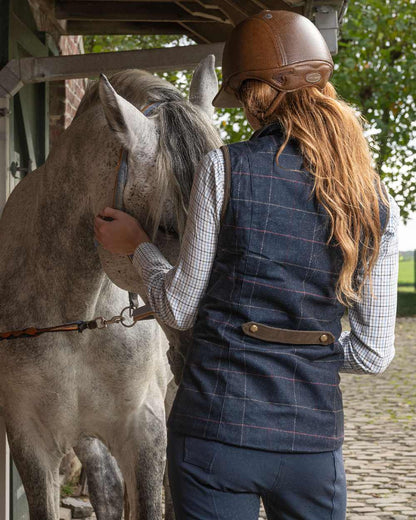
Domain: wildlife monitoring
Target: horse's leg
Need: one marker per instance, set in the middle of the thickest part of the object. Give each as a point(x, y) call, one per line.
point(141, 458)
point(105, 483)
point(38, 467)
point(169, 510)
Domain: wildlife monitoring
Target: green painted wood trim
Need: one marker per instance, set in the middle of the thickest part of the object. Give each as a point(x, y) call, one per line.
point(26, 38)
point(4, 32)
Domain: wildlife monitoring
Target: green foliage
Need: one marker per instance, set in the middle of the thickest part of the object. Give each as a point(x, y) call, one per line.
point(376, 71)
point(129, 42)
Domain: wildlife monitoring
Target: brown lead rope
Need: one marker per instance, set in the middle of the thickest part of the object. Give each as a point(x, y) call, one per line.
point(144, 312)
point(33, 332)
point(140, 313)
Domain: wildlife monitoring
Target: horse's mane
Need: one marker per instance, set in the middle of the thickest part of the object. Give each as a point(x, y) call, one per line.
point(186, 135)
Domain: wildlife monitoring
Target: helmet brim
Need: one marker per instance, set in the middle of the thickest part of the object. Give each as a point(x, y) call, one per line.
point(226, 99)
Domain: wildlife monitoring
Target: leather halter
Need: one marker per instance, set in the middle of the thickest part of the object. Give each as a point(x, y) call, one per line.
point(145, 311)
point(122, 168)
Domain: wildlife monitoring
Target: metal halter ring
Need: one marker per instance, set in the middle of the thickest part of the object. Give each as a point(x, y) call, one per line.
point(123, 318)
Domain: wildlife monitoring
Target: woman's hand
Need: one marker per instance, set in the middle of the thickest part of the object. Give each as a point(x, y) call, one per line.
point(121, 235)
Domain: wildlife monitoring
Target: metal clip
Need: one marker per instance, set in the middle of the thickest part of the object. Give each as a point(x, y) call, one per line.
point(115, 319)
point(101, 322)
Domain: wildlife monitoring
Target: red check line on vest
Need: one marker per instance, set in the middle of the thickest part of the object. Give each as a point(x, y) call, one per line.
point(272, 177)
point(281, 206)
point(276, 310)
point(263, 375)
point(281, 262)
point(275, 351)
point(260, 427)
point(190, 389)
point(279, 288)
point(278, 234)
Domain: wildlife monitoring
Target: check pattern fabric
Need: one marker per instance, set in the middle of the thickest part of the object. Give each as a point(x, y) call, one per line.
point(174, 292)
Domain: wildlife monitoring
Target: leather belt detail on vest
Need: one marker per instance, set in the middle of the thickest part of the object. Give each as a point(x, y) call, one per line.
point(292, 337)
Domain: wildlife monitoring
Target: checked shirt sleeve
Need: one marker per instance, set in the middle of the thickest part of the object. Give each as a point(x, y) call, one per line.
point(174, 292)
point(369, 346)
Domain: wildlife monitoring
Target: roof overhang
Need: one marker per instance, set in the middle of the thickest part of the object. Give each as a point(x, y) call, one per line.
point(205, 21)
point(210, 24)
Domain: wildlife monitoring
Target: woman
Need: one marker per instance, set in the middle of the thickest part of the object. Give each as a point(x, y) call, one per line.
point(284, 231)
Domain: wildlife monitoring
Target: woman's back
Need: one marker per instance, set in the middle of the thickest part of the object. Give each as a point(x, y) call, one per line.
point(273, 270)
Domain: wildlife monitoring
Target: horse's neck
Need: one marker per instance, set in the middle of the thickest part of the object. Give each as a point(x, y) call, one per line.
point(76, 183)
point(82, 170)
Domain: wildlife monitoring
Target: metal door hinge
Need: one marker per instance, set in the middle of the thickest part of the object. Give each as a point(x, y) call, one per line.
point(15, 168)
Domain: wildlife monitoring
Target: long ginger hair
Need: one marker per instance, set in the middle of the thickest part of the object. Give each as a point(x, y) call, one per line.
point(335, 151)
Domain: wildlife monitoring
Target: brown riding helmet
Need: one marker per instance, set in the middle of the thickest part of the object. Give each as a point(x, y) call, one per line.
point(284, 49)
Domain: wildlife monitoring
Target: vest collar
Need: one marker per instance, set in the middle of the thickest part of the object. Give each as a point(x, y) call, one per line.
point(272, 128)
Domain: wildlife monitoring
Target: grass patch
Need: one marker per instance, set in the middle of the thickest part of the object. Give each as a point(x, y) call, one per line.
point(67, 490)
point(406, 303)
point(406, 288)
point(407, 271)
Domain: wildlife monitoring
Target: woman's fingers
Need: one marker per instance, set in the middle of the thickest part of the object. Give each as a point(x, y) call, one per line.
point(118, 232)
point(111, 212)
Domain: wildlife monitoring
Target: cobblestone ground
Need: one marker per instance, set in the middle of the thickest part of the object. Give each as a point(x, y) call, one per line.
point(380, 436)
point(380, 442)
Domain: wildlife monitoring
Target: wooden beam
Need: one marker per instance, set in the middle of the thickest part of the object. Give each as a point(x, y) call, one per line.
point(209, 32)
point(261, 5)
point(198, 38)
point(27, 39)
point(53, 68)
point(124, 11)
point(250, 7)
point(232, 10)
point(308, 9)
point(84, 27)
point(43, 13)
point(296, 7)
point(294, 3)
point(194, 8)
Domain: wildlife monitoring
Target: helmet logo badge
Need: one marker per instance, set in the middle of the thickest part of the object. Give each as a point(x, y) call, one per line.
point(313, 77)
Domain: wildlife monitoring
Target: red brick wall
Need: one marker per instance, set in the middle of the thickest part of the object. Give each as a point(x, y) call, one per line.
point(65, 96)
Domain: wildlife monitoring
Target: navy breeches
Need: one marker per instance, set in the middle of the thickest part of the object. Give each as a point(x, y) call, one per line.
point(211, 480)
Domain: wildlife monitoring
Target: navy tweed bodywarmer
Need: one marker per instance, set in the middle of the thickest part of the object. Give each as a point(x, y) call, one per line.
point(272, 266)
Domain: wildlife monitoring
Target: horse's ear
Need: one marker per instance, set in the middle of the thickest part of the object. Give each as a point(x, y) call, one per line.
point(124, 119)
point(204, 85)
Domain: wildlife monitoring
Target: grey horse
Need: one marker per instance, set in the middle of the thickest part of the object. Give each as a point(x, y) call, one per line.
point(65, 390)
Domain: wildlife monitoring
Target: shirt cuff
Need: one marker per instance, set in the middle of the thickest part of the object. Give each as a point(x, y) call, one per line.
point(148, 258)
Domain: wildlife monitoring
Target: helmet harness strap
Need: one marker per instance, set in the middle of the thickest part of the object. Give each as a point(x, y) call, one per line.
point(274, 104)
